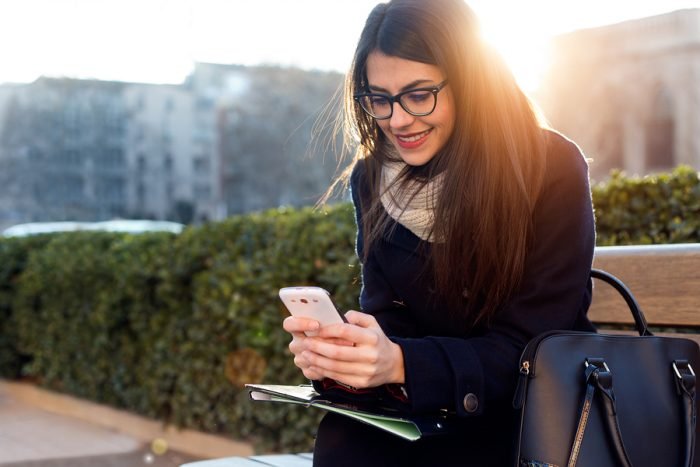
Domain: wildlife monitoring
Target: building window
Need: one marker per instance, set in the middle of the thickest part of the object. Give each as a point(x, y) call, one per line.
point(114, 158)
point(168, 162)
point(141, 192)
point(660, 129)
point(141, 162)
point(202, 192)
point(110, 189)
point(201, 164)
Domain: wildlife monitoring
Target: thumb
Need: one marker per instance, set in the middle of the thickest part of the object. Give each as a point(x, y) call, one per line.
point(360, 319)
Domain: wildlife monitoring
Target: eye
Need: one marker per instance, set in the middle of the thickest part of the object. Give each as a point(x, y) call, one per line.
point(418, 97)
point(378, 101)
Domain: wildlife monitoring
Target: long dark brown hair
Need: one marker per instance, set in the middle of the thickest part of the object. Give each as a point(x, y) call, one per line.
point(493, 162)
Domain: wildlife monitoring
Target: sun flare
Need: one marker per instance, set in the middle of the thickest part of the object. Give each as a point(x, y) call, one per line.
point(527, 55)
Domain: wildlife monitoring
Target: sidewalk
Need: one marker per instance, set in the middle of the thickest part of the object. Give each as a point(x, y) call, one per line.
point(39, 428)
point(31, 437)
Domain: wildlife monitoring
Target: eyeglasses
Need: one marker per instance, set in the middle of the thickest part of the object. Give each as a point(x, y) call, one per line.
point(418, 102)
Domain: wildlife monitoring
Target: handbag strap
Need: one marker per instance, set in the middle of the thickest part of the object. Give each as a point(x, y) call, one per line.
point(639, 319)
point(598, 377)
point(685, 386)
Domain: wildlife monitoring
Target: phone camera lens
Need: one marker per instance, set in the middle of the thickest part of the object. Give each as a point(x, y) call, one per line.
point(303, 300)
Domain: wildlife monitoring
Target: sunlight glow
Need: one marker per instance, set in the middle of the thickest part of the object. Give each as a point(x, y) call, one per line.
point(159, 40)
point(521, 37)
point(527, 59)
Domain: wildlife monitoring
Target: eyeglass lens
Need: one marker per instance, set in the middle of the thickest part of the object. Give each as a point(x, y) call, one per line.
point(418, 102)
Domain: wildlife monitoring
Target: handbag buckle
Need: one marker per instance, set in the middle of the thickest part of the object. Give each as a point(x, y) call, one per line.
point(685, 365)
point(605, 365)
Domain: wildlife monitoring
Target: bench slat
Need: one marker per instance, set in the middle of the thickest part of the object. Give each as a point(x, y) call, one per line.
point(665, 280)
point(692, 337)
point(225, 462)
point(275, 460)
point(286, 460)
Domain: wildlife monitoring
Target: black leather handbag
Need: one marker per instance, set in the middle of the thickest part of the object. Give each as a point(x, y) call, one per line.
point(597, 400)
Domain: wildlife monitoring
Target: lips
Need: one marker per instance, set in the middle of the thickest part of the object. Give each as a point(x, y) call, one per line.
point(413, 140)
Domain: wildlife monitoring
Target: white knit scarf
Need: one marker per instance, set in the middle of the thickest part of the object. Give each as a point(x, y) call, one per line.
point(411, 204)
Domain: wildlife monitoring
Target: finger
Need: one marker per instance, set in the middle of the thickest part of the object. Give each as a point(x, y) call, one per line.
point(301, 362)
point(294, 324)
point(297, 345)
point(361, 319)
point(348, 367)
point(350, 333)
point(342, 353)
point(336, 341)
point(312, 374)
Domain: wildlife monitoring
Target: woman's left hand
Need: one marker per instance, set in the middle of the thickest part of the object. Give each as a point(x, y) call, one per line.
point(371, 360)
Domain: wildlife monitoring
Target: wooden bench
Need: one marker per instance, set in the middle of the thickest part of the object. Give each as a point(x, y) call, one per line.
point(665, 280)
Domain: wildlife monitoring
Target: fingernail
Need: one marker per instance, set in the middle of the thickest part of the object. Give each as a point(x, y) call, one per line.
point(315, 325)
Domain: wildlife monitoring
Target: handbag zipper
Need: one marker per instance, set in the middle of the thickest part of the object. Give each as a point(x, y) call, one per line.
point(527, 366)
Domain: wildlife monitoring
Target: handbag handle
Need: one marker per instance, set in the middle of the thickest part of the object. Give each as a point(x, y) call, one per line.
point(639, 319)
point(599, 378)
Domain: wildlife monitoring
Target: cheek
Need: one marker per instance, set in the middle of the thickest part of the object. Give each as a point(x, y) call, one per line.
point(447, 121)
point(447, 115)
point(384, 126)
point(450, 127)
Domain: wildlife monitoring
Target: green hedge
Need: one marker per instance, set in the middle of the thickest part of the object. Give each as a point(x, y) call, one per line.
point(172, 326)
point(14, 254)
point(663, 208)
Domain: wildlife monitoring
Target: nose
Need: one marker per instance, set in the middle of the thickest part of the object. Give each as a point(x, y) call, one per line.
point(399, 117)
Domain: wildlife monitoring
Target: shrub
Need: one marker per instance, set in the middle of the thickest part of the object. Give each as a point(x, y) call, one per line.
point(662, 208)
point(14, 254)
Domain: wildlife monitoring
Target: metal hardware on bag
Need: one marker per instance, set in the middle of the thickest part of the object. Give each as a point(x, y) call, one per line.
point(678, 373)
point(519, 395)
point(604, 364)
point(525, 368)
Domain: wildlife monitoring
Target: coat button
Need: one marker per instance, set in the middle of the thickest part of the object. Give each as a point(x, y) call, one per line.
point(471, 403)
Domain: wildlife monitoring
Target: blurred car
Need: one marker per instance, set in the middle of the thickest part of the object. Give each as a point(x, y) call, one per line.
point(120, 225)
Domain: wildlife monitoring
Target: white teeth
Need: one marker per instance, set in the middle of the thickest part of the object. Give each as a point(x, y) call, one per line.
point(413, 138)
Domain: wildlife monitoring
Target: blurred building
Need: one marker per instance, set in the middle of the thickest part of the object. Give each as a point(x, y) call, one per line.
point(62, 146)
point(629, 93)
point(170, 174)
point(226, 141)
point(268, 157)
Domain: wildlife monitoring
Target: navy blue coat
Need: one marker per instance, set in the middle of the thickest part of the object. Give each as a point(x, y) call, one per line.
point(472, 372)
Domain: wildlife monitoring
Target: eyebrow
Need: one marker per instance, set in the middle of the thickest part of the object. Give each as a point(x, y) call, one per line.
point(411, 85)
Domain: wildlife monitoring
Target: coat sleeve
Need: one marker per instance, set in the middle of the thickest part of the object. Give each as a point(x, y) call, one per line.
point(469, 375)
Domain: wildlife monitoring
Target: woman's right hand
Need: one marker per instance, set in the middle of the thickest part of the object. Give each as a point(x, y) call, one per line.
point(297, 327)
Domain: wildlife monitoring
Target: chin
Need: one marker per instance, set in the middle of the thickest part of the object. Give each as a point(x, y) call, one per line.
point(417, 159)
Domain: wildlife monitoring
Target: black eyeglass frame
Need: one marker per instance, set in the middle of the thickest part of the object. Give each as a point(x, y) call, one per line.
point(397, 98)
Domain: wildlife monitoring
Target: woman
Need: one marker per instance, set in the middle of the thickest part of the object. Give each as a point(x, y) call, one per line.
point(475, 233)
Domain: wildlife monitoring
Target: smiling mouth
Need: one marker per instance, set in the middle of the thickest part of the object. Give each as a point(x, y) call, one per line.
point(412, 141)
point(413, 138)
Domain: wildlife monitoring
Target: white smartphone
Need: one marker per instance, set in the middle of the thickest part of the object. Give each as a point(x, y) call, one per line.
point(311, 302)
